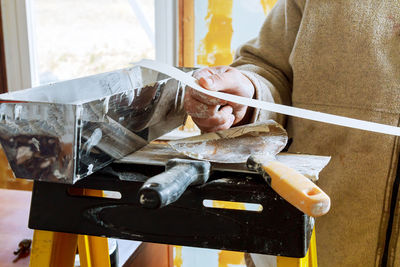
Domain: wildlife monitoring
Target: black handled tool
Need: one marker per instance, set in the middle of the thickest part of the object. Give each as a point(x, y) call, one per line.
point(167, 187)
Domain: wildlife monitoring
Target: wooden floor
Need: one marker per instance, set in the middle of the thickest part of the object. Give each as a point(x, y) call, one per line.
point(151, 255)
point(14, 213)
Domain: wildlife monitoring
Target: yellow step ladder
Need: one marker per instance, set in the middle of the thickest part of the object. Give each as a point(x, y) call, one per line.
point(55, 249)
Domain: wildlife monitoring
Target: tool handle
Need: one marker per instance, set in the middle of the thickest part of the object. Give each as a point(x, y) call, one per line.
point(166, 187)
point(298, 190)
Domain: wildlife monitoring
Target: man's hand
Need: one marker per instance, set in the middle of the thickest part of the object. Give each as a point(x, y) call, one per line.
point(212, 114)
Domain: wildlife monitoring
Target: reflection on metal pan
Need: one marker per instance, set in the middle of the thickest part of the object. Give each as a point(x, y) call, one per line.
point(65, 131)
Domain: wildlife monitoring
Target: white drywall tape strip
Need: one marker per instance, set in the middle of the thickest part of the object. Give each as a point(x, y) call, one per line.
point(283, 109)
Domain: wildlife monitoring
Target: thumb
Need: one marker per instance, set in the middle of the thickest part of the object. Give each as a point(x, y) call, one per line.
point(225, 82)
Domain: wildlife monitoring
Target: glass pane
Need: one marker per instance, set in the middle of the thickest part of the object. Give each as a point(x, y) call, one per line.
point(75, 38)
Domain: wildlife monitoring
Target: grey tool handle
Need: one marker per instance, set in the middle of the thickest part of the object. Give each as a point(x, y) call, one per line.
point(167, 187)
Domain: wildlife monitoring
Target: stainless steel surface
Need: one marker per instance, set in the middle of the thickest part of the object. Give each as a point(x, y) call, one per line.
point(65, 131)
point(159, 154)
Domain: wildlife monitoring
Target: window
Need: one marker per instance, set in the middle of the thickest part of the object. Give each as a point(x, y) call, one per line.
point(79, 38)
point(51, 40)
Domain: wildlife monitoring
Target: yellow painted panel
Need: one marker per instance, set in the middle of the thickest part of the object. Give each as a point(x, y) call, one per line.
point(267, 5)
point(215, 48)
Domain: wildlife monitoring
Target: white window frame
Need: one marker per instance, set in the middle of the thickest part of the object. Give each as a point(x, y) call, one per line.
point(18, 44)
point(166, 31)
point(19, 40)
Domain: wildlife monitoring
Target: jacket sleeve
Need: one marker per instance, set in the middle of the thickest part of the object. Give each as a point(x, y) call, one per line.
point(265, 60)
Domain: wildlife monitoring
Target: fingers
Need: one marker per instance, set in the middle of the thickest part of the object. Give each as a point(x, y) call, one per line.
point(226, 79)
point(205, 110)
point(239, 111)
point(208, 118)
point(220, 120)
point(206, 78)
point(218, 80)
point(205, 99)
point(206, 72)
point(198, 109)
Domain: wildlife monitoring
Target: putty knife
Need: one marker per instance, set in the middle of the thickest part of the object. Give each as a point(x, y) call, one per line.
point(258, 144)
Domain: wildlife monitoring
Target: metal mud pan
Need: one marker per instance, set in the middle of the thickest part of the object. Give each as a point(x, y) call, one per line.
point(65, 131)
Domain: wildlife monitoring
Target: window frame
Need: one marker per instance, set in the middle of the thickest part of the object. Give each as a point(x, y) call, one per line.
point(166, 31)
point(19, 44)
point(3, 74)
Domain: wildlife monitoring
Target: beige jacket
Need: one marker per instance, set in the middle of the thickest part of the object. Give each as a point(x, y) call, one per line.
point(340, 57)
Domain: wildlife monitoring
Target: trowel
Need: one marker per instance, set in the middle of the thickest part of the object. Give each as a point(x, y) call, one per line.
point(257, 144)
